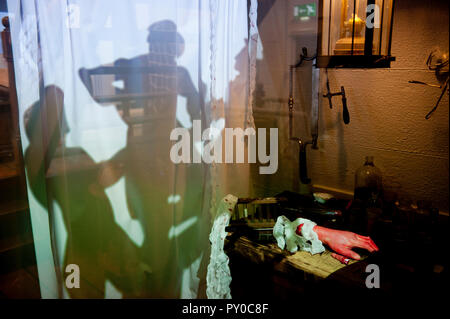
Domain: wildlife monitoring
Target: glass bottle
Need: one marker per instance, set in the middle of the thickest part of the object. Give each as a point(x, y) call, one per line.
point(368, 185)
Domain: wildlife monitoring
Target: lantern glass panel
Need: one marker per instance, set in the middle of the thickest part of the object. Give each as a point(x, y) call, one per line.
point(348, 24)
point(386, 25)
point(348, 18)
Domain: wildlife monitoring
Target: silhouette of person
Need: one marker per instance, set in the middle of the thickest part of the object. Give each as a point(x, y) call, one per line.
point(76, 183)
point(165, 198)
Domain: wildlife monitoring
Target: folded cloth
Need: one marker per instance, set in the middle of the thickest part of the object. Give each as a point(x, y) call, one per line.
point(284, 232)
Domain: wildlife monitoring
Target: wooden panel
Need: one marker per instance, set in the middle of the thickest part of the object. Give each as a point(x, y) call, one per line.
point(8, 170)
point(13, 206)
point(22, 283)
point(6, 147)
point(16, 239)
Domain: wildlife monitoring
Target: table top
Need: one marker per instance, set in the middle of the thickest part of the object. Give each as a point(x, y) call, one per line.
point(320, 265)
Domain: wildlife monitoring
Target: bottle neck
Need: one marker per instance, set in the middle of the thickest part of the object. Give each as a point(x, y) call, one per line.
point(369, 161)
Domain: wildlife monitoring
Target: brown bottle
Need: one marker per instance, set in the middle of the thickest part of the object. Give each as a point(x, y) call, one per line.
point(368, 185)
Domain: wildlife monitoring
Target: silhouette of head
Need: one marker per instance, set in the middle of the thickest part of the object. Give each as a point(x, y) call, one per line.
point(57, 126)
point(164, 39)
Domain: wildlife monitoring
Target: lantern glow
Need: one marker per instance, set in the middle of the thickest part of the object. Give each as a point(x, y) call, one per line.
point(355, 33)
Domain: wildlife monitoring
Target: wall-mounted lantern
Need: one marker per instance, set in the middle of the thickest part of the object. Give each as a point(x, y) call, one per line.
point(355, 33)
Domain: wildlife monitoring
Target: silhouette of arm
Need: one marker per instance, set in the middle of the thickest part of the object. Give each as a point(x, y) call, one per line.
point(86, 79)
point(187, 89)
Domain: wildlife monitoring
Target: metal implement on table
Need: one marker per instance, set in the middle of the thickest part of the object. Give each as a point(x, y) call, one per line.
point(255, 217)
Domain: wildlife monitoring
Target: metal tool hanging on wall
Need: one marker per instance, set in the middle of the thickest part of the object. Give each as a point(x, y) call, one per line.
point(314, 114)
point(329, 95)
point(441, 68)
point(314, 111)
point(444, 88)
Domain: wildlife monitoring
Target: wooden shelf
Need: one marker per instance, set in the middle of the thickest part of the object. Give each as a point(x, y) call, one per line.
point(15, 242)
point(18, 273)
point(8, 170)
point(22, 283)
point(13, 206)
point(5, 104)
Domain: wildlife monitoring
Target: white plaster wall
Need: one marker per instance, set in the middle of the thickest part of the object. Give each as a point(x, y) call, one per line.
point(387, 113)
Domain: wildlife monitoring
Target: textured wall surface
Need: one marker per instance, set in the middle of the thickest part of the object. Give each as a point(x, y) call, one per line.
point(387, 113)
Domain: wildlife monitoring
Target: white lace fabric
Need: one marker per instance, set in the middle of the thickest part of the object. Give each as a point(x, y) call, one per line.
point(218, 277)
point(284, 233)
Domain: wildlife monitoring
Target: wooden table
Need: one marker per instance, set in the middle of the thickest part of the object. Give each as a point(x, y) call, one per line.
point(265, 270)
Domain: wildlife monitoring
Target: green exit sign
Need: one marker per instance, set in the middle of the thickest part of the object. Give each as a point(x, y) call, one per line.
point(305, 10)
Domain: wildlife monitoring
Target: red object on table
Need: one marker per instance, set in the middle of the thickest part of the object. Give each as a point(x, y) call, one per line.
point(342, 242)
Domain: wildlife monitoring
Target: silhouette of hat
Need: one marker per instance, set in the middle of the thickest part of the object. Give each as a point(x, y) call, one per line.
point(164, 31)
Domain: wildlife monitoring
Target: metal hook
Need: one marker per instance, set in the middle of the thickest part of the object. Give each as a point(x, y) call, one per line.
point(438, 101)
point(443, 87)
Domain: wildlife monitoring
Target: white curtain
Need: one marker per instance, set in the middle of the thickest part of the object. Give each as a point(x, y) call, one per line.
point(101, 84)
